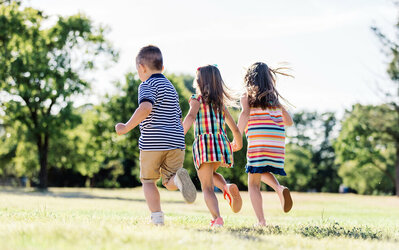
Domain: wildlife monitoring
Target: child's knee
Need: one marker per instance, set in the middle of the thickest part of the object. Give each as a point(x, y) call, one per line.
point(148, 182)
point(253, 186)
point(207, 189)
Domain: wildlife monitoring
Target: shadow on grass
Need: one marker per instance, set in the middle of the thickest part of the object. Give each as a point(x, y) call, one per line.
point(335, 230)
point(74, 195)
point(247, 233)
point(310, 231)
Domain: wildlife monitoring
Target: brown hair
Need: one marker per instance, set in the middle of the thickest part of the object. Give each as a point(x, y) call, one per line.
point(210, 84)
point(260, 82)
point(151, 57)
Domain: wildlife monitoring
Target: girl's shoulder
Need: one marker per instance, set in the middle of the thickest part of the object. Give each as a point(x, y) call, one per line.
point(272, 109)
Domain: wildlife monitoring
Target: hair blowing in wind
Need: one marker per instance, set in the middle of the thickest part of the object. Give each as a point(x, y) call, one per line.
point(260, 81)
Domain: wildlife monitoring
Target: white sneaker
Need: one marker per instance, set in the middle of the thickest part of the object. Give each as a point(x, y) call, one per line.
point(185, 185)
point(157, 218)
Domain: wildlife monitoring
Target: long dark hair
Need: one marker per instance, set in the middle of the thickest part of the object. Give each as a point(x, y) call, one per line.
point(260, 82)
point(210, 84)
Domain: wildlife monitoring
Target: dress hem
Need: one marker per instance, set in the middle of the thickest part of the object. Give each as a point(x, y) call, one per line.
point(265, 169)
point(222, 164)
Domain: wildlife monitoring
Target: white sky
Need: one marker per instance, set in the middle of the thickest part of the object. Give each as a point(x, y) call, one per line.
point(329, 44)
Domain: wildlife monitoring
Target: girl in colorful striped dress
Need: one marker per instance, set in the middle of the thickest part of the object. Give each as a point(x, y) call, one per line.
point(211, 147)
point(263, 118)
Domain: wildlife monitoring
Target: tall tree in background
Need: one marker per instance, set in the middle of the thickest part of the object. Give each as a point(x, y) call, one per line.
point(391, 128)
point(42, 69)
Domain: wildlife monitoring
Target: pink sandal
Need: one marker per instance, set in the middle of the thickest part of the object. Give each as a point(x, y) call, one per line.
point(218, 222)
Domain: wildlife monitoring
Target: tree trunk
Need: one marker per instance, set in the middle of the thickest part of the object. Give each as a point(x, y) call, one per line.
point(43, 152)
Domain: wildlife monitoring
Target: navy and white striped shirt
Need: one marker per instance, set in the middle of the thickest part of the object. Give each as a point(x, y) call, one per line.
point(162, 129)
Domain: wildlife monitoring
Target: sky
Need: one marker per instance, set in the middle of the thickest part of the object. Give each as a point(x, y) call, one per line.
point(335, 57)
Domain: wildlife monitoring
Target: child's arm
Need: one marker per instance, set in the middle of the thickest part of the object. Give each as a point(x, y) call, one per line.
point(287, 119)
point(139, 115)
point(237, 141)
point(244, 116)
point(190, 117)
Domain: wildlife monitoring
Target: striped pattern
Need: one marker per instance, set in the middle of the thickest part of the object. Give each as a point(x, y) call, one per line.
point(211, 143)
point(266, 141)
point(162, 129)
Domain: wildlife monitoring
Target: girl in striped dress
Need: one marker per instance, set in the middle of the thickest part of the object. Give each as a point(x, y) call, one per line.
point(263, 118)
point(211, 147)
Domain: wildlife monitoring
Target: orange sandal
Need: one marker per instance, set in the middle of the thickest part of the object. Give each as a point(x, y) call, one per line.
point(287, 202)
point(232, 195)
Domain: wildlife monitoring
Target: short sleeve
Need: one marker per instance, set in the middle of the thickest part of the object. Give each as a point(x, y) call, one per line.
point(146, 93)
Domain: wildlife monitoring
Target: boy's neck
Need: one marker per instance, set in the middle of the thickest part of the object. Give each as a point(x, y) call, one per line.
point(150, 73)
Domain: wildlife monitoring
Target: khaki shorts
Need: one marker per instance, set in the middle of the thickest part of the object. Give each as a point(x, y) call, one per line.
point(156, 164)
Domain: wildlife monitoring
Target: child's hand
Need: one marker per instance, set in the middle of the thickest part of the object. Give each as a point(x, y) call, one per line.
point(235, 146)
point(119, 128)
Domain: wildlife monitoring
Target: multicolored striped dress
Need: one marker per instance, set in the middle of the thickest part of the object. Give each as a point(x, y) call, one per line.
point(266, 141)
point(211, 143)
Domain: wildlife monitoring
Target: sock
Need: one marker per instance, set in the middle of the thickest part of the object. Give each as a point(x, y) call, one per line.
point(177, 182)
point(157, 218)
point(157, 214)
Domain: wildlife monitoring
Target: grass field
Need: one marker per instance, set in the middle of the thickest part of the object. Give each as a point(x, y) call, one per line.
point(118, 219)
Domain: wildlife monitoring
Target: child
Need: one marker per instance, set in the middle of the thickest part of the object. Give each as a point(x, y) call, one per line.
point(264, 118)
point(161, 142)
point(211, 148)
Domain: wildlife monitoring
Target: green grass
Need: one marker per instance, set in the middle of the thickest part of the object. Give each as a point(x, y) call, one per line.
point(118, 219)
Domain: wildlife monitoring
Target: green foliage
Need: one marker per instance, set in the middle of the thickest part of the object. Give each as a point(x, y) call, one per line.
point(391, 127)
point(123, 149)
point(41, 71)
point(17, 155)
point(298, 166)
point(309, 153)
point(365, 152)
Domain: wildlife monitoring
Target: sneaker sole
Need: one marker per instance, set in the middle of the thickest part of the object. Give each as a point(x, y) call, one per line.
point(188, 189)
point(287, 200)
point(236, 203)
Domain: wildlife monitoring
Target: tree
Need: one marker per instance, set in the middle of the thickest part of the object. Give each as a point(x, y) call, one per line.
point(298, 166)
point(391, 48)
point(42, 70)
point(310, 157)
point(119, 107)
point(365, 152)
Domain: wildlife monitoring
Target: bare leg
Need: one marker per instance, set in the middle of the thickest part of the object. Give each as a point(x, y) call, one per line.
point(231, 189)
point(282, 192)
point(256, 196)
point(170, 185)
point(151, 195)
point(218, 179)
point(270, 180)
point(205, 174)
